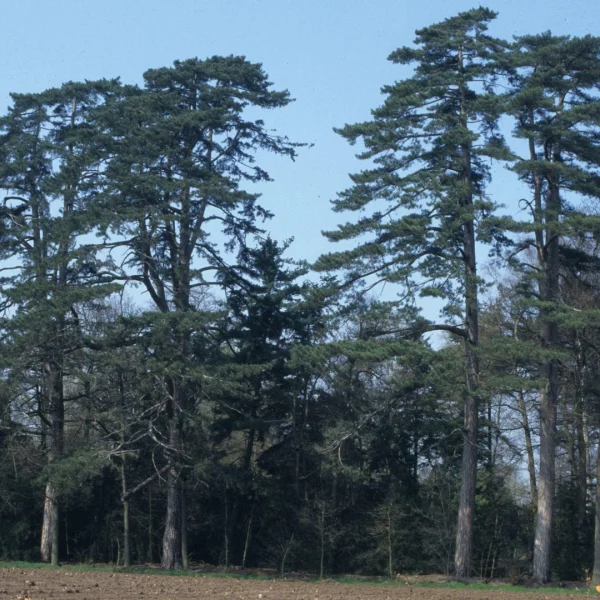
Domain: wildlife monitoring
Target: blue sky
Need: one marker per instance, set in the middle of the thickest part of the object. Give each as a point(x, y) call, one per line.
point(330, 54)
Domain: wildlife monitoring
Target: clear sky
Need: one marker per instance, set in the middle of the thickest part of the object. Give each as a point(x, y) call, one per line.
point(330, 54)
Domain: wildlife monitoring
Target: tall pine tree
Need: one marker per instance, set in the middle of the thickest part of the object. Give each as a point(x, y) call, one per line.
point(181, 148)
point(50, 174)
point(554, 100)
point(429, 145)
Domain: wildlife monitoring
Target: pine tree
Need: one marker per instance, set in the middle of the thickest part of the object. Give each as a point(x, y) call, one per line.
point(181, 148)
point(557, 116)
point(50, 174)
point(268, 313)
point(429, 144)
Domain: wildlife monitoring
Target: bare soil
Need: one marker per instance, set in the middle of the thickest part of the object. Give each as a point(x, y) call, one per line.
point(34, 584)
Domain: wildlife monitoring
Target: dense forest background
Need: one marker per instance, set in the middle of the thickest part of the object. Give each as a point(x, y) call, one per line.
point(173, 388)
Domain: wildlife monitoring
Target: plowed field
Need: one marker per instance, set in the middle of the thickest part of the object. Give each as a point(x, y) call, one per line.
point(43, 584)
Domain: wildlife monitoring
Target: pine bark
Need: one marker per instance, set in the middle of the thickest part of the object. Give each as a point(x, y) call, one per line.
point(547, 476)
point(55, 366)
point(171, 556)
point(466, 506)
point(548, 395)
point(172, 537)
point(47, 525)
point(49, 545)
point(126, 535)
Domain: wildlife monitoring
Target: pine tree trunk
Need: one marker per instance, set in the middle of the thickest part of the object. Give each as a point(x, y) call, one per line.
point(172, 537)
point(49, 546)
point(466, 505)
point(171, 557)
point(47, 525)
point(126, 535)
point(50, 528)
point(55, 533)
point(547, 476)
point(549, 290)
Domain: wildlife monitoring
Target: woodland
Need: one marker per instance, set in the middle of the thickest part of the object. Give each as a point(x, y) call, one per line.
point(176, 389)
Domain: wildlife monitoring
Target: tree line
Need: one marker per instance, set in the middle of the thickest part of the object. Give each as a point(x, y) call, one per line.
point(174, 387)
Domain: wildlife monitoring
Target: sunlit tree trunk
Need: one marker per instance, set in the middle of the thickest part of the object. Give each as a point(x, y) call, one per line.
point(466, 505)
point(49, 547)
point(548, 394)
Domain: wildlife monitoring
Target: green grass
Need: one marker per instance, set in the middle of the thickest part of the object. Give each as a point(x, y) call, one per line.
point(505, 588)
point(21, 564)
point(345, 579)
point(457, 585)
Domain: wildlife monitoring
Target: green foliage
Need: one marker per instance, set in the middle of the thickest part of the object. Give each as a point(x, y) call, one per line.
point(73, 471)
point(415, 188)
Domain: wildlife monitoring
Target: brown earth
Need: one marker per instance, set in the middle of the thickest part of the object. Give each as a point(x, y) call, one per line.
point(34, 584)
